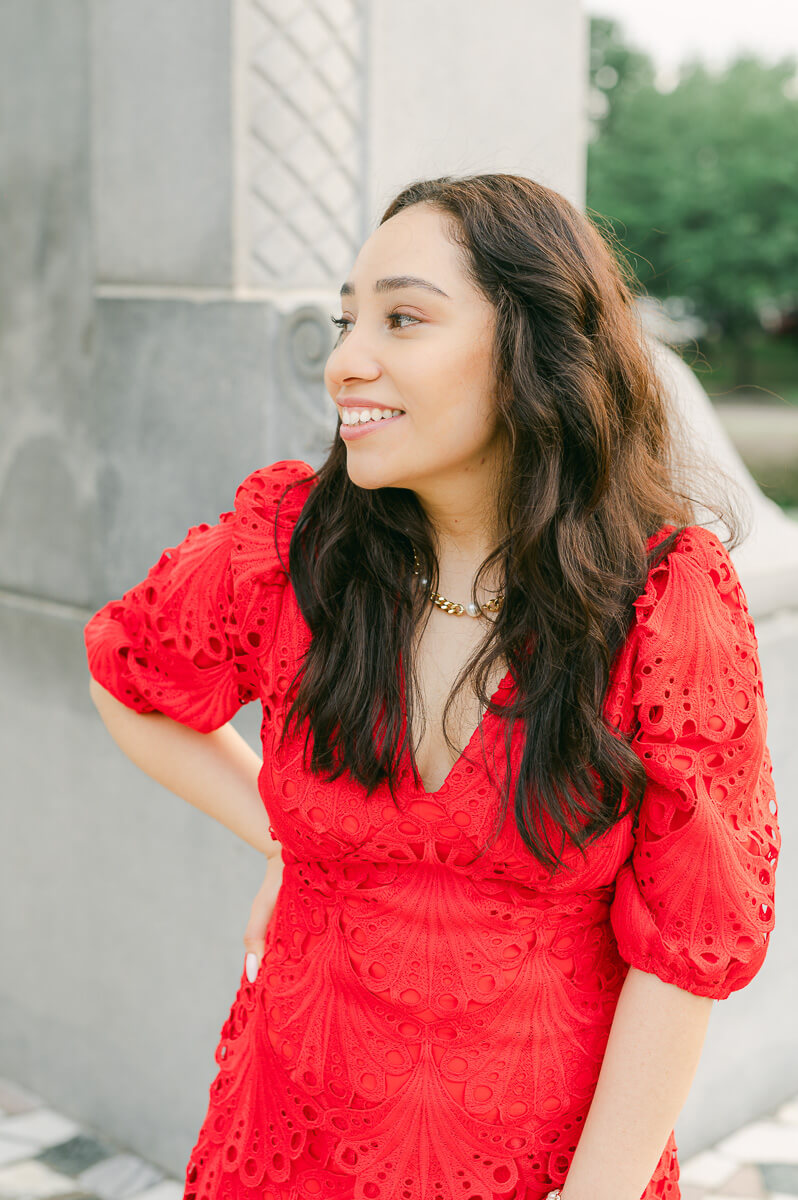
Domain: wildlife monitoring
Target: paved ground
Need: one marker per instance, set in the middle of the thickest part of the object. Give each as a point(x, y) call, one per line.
point(44, 1154)
point(764, 432)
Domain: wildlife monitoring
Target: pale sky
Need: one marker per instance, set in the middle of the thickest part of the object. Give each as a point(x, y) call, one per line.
point(714, 29)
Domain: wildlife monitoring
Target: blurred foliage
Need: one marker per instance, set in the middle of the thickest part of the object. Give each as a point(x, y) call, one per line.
point(773, 368)
point(699, 184)
point(779, 482)
point(616, 69)
point(776, 478)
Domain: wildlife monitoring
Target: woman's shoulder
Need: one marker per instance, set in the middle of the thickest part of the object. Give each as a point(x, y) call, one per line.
point(691, 613)
point(696, 541)
point(264, 487)
point(692, 629)
point(267, 506)
point(268, 502)
point(695, 571)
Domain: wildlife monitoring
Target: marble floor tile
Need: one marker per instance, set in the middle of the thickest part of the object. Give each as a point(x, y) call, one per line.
point(32, 1180)
point(692, 1191)
point(169, 1189)
point(761, 1142)
point(788, 1112)
point(15, 1099)
point(119, 1177)
point(746, 1182)
point(76, 1155)
point(781, 1177)
point(75, 1195)
point(708, 1169)
point(13, 1149)
point(38, 1128)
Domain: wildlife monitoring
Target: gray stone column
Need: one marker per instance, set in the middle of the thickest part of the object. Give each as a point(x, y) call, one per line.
point(186, 186)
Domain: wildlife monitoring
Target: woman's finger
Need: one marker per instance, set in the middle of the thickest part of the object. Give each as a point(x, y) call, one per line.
point(260, 912)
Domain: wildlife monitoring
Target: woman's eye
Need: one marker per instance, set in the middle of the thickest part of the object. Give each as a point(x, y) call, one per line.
point(342, 322)
point(399, 316)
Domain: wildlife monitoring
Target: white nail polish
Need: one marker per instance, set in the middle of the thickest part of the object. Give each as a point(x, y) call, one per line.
point(251, 966)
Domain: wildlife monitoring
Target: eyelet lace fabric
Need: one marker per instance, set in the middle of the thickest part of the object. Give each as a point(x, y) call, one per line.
point(426, 1024)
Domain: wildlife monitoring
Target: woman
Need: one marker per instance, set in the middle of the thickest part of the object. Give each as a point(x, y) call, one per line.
point(456, 997)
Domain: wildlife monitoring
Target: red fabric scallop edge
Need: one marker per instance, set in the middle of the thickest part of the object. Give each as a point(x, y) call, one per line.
point(266, 511)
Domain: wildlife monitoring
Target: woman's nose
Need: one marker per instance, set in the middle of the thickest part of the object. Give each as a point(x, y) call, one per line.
point(353, 358)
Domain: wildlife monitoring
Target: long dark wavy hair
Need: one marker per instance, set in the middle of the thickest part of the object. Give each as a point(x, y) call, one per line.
point(588, 478)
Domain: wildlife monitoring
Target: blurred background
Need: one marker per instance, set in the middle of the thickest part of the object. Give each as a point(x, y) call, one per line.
point(183, 188)
point(693, 158)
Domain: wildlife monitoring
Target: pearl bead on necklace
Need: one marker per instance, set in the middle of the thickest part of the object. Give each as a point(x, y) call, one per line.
point(450, 606)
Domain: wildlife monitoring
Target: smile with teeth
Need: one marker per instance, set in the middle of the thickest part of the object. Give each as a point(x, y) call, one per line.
point(361, 416)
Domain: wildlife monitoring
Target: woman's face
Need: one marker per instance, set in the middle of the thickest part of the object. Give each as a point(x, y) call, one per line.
point(424, 349)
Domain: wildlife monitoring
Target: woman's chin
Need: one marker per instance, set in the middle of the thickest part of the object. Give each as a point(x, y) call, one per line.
point(373, 473)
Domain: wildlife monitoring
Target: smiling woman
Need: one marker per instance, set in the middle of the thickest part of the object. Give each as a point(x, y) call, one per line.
point(362, 413)
point(421, 342)
point(482, 974)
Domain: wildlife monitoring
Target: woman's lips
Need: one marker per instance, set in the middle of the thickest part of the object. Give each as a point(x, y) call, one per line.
point(351, 433)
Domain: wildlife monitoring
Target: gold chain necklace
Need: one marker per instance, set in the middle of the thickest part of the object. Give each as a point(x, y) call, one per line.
point(449, 606)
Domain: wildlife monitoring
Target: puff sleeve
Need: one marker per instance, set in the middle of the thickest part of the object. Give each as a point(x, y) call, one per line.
point(189, 639)
point(694, 902)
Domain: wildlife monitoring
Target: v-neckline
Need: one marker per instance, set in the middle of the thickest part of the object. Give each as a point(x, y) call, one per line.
point(505, 683)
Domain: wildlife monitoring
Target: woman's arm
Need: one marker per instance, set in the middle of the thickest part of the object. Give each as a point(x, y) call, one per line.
point(649, 1063)
point(216, 772)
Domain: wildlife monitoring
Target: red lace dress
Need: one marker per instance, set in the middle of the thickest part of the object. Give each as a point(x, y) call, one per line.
point(423, 1025)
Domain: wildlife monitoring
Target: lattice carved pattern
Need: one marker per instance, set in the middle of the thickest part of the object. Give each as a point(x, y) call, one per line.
point(303, 145)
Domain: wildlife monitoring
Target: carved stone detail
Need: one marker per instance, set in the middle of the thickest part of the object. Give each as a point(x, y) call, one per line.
point(302, 142)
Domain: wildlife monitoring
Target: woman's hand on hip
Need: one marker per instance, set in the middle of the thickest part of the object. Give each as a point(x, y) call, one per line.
point(259, 914)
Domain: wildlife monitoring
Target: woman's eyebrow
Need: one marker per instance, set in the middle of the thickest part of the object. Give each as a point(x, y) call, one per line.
point(392, 283)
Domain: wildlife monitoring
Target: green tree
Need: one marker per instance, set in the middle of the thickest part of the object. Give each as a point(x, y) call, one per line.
point(616, 69)
point(700, 185)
